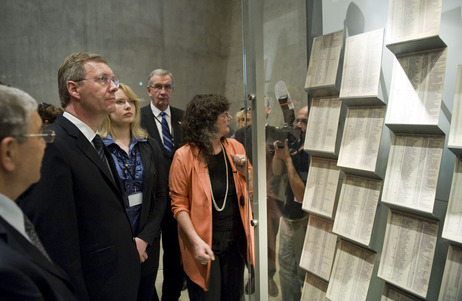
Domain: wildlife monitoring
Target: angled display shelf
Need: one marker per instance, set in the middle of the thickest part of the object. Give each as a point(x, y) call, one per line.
point(362, 67)
point(451, 285)
point(319, 247)
point(322, 187)
point(408, 251)
point(324, 128)
point(323, 75)
point(412, 172)
point(361, 142)
point(414, 104)
point(314, 288)
point(455, 132)
point(452, 229)
point(356, 209)
point(413, 25)
point(351, 274)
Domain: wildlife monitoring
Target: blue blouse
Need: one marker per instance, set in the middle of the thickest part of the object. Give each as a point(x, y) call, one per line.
point(130, 170)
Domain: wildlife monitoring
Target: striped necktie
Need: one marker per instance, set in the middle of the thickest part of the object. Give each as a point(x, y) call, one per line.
point(98, 142)
point(168, 143)
point(34, 239)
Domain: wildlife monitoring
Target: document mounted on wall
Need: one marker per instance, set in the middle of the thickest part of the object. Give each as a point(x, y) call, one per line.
point(455, 132)
point(413, 25)
point(323, 133)
point(412, 172)
point(356, 209)
point(319, 247)
point(322, 187)
point(408, 251)
point(452, 229)
point(351, 273)
point(391, 293)
point(362, 67)
point(416, 93)
point(314, 288)
point(323, 77)
point(451, 285)
point(359, 148)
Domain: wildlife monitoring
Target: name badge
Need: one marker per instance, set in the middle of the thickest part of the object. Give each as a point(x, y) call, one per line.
point(135, 199)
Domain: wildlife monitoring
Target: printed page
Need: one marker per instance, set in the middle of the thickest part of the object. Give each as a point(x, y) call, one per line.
point(324, 60)
point(357, 205)
point(321, 187)
point(360, 144)
point(452, 229)
point(362, 65)
point(319, 247)
point(408, 251)
point(451, 285)
point(322, 127)
point(314, 289)
point(351, 273)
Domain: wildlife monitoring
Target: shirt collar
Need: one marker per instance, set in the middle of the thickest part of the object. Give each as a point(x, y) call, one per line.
point(84, 128)
point(157, 112)
point(10, 212)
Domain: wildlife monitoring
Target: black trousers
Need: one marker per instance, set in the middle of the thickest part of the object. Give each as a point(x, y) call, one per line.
point(226, 281)
point(173, 269)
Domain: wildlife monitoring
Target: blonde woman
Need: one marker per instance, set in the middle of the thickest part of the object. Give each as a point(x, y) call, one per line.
point(144, 177)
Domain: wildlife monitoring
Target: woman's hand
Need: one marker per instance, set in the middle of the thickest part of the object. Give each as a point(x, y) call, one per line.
point(202, 252)
point(240, 162)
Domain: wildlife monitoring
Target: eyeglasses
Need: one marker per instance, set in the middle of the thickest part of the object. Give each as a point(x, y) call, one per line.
point(225, 115)
point(47, 135)
point(158, 87)
point(304, 121)
point(121, 102)
point(103, 80)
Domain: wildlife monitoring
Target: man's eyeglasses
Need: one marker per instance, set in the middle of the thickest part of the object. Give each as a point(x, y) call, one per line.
point(158, 87)
point(121, 102)
point(304, 121)
point(103, 80)
point(47, 135)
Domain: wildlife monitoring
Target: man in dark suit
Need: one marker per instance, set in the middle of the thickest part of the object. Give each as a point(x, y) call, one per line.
point(26, 272)
point(77, 207)
point(162, 123)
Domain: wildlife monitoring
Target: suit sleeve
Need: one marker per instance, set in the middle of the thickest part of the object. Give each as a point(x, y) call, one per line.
point(50, 205)
point(158, 176)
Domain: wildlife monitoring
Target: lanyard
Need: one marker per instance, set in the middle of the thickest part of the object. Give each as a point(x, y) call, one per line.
point(132, 175)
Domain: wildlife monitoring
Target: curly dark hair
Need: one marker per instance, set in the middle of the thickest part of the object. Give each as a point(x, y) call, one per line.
point(199, 120)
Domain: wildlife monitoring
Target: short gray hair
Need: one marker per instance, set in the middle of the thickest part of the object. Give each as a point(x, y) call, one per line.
point(17, 108)
point(160, 72)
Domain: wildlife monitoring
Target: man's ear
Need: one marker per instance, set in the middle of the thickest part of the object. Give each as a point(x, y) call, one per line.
point(8, 153)
point(73, 89)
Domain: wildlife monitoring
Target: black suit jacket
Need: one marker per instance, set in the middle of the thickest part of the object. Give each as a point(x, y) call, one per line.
point(25, 274)
point(149, 124)
point(155, 175)
point(78, 211)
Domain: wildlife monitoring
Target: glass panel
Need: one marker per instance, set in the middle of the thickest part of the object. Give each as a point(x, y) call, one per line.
point(275, 63)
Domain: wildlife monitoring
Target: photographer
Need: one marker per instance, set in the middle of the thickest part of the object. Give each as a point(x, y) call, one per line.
point(294, 220)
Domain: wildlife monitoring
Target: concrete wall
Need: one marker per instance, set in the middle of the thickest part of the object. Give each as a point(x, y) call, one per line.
point(199, 42)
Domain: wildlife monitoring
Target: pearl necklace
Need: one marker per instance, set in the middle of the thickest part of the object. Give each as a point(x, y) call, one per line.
point(227, 184)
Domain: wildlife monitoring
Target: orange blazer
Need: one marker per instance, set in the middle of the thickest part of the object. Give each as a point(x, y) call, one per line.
point(190, 192)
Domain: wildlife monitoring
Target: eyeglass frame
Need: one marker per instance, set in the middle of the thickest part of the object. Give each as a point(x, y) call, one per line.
point(167, 87)
point(103, 80)
point(47, 135)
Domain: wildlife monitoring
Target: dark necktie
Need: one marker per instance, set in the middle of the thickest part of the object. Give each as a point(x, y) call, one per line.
point(98, 142)
point(168, 143)
point(34, 239)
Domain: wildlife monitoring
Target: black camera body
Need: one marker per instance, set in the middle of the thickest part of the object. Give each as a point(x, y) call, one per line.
point(281, 134)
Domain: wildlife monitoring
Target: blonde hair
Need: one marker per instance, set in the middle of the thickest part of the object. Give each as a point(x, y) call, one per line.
point(135, 128)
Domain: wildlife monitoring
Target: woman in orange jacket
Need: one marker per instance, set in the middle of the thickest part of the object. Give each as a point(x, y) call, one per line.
point(211, 203)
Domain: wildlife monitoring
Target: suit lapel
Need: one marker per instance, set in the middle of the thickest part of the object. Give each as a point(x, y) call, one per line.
point(87, 148)
point(19, 243)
